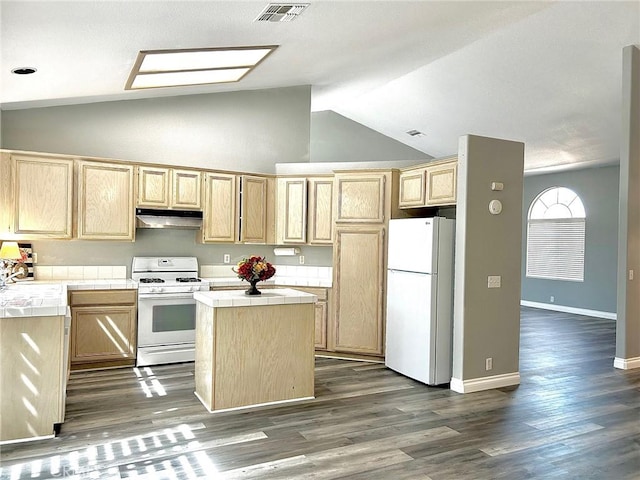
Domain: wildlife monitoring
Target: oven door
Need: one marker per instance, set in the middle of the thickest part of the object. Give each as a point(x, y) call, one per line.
point(166, 319)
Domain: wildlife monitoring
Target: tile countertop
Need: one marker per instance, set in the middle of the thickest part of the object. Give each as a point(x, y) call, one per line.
point(49, 298)
point(237, 298)
point(21, 300)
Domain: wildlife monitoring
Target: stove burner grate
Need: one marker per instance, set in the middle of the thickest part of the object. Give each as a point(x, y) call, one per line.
point(188, 279)
point(151, 280)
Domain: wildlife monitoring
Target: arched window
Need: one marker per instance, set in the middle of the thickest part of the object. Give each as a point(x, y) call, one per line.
point(555, 235)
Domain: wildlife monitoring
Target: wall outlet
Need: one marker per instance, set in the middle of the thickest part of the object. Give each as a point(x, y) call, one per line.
point(552, 299)
point(34, 258)
point(227, 258)
point(301, 259)
point(494, 281)
point(630, 273)
point(488, 363)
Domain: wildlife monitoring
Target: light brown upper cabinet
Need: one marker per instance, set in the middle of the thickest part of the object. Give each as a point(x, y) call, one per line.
point(441, 183)
point(169, 188)
point(412, 188)
point(360, 197)
point(291, 210)
point(253, 209)
point(429, 185)
point(321, 211)
point(43, 196)
point(220, 219)
point(105, 201)
point(6, 194)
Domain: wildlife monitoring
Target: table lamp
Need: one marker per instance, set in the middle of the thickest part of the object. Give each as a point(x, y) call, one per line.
point(9, 254)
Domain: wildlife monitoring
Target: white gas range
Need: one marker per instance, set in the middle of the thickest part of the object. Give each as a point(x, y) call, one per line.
point(166, 308)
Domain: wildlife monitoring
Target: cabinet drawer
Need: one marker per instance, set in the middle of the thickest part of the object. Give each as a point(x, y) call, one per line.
point(102, 297)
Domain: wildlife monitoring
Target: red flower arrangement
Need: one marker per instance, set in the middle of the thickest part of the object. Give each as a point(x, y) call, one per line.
point(254, 269)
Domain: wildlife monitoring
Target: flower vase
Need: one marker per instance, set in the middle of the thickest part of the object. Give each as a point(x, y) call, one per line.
point(252, 290)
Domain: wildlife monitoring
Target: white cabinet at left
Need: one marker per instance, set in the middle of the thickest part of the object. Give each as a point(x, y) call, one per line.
point(42, 191)
point(106, 196)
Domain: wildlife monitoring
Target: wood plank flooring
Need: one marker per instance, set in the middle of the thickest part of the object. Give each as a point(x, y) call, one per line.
point(573, 417)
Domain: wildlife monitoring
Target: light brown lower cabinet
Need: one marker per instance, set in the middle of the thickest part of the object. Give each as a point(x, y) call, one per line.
point(103, 328)
point(321, 314)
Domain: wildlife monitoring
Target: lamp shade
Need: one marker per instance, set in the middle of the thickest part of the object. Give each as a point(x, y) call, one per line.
point(10, 251)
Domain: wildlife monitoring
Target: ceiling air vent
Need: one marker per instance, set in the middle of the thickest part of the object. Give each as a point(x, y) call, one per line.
point(415, 133)
point(281, 12)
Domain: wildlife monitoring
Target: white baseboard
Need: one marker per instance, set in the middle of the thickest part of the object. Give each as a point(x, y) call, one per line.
point(578, 311)
point(485, 383)
point(626, 363)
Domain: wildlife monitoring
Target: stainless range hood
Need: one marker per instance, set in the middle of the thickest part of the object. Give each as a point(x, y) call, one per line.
point(151, 218)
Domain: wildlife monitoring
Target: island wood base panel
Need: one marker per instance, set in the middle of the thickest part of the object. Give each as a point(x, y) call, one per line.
point(254, 355)
point(32, 377)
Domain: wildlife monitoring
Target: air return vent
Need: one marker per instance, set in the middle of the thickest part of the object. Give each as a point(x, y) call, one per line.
point(281, 12)
point(415, 133)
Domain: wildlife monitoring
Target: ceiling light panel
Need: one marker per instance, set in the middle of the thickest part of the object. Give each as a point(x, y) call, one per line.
point(172, 68)
point(200, 60)
point(200, 77)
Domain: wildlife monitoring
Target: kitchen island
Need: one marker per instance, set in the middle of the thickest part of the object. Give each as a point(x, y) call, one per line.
point(254, 350)
point(33, 355)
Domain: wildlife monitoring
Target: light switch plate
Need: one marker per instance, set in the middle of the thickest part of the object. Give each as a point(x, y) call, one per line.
point(494, 281)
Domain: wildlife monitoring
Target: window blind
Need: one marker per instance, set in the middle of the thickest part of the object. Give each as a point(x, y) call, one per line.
point(555, 249)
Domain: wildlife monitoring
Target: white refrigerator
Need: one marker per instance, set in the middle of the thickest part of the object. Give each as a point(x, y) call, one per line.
point(420, 298)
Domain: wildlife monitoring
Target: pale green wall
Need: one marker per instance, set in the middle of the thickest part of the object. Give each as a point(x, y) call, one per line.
point(335, 138)
point(161, 242)
point(246, 131)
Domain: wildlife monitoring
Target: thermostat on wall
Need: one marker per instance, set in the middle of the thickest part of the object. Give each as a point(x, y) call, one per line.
point(495, 207)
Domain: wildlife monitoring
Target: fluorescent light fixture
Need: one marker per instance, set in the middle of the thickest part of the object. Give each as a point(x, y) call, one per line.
point(171, 68)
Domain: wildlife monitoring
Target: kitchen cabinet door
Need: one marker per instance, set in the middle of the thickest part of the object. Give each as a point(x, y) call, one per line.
point(321, 314)
point(43, 196)
point(412, 188)
point(291, 210)
point(253, 209)
point(102, 333)
point(168, 188)
point(6, 194)
point(103, 328)
point(154, 184)
point(441, 184)
point(358, 285)
point(105, 201)
point(219, 222)
point(186, 189)
point(360, 197)
point(321, 211)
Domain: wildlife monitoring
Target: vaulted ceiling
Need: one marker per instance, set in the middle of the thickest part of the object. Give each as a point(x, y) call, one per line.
point(545, 73)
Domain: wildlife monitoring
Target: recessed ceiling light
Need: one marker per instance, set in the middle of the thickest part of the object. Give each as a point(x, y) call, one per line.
point(198, 66)
point(24, 70)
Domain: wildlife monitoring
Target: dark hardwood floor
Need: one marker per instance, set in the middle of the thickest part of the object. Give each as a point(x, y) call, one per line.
point(573, 417)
